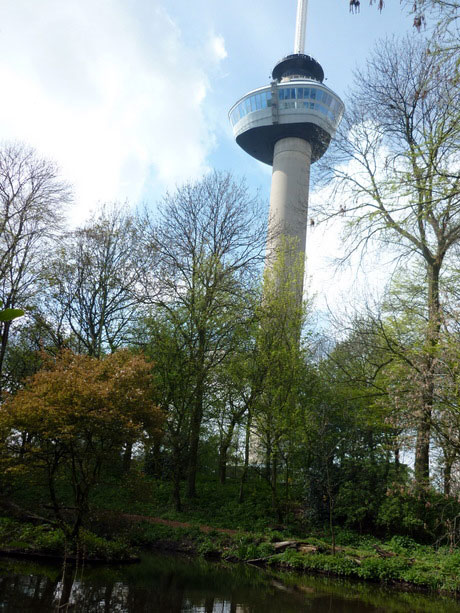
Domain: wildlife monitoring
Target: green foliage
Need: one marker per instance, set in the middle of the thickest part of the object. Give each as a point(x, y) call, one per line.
point(382, 569)
point(249, 548)
point(361, 492)
point(77, 412)
point(437, 570)
point(93, 546)
point(10, 314)
point(402, 544)
point(338, 565)
point(16, 535)
point(421, 514)
point(49, 540)
point(217, 504)
point(145, 534)
point(348, 537)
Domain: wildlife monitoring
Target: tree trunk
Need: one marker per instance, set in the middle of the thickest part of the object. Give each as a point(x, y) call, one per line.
point(397, 460)
point(268, 457)
point(223, 451)
point(422, 447)
point(176, 479)
point(422, 450)
point(244, 476)
point(47, 594)
point(197, 416)
point(371, 445)
point(66, 585)
point(157, 460)
point(330, 506)
point(287, 478)
point(51, 470)
point(78, 524)
point(274, 487)
point(209, 604)
point(448, 462)
point(25, 440)
point(176, 491)
point(387, 465)
point(222, 467)
point(127, 456)
point(108, 592)
point(5, 327)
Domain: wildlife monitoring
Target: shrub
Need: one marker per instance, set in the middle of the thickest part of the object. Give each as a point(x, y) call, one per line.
point(415, 513)
point(95, 547)
point(402, 544)
point(383, 569)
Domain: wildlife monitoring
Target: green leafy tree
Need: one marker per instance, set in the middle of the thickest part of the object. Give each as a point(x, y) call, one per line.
point(174, 375)
point(279, 359)
point(209, 242)
point(77, 411)
point(396, 167)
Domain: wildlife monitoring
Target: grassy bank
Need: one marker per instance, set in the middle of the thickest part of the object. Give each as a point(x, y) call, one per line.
point(398, 561)
point(26, 539)
point(123, 523)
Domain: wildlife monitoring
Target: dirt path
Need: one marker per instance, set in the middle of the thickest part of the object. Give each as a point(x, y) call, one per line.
point(175, 524)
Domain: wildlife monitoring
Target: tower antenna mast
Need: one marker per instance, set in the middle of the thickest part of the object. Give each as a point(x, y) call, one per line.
point(301, 26)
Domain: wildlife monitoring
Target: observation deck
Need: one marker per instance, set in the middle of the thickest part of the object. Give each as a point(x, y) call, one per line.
point(293, 105)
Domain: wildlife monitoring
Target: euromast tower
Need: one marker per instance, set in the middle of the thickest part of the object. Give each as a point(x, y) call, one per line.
point(289, 125)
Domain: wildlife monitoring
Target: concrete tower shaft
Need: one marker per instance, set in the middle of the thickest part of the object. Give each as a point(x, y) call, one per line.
point(289, 193)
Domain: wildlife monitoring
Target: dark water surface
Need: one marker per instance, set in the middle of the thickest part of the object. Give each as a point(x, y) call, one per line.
point(170, 584)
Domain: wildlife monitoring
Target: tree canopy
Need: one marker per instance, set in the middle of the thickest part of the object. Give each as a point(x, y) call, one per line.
point(72, 417)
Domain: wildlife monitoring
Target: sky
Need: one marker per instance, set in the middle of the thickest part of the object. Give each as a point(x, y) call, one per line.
point(130, 97)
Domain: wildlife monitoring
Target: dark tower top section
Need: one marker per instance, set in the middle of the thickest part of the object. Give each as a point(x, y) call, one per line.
point(300, 65)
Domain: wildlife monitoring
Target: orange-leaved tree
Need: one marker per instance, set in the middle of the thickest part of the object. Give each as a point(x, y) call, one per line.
point(78, 411)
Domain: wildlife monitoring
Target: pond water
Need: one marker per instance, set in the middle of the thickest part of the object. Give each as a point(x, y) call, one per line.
point(173, 584)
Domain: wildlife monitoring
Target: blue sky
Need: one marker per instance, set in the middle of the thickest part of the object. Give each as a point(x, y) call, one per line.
point(130, 97)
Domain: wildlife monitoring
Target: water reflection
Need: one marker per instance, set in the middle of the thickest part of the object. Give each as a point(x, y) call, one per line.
point(168, 584)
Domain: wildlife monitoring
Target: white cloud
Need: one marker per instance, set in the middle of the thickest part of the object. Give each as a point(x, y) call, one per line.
point(109, 90)
point(218, 47)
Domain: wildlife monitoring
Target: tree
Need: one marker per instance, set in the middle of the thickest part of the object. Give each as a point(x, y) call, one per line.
point(280, 360)
point(78, 411)
point(395, 163)
point(93, 281)
point(445, 15)
point(32, 200)
point(351, 439)
point(174, 374)
point(445, 12)
point(383, 358)
point(209, 242)
point(446, 419)
point(237, 386)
